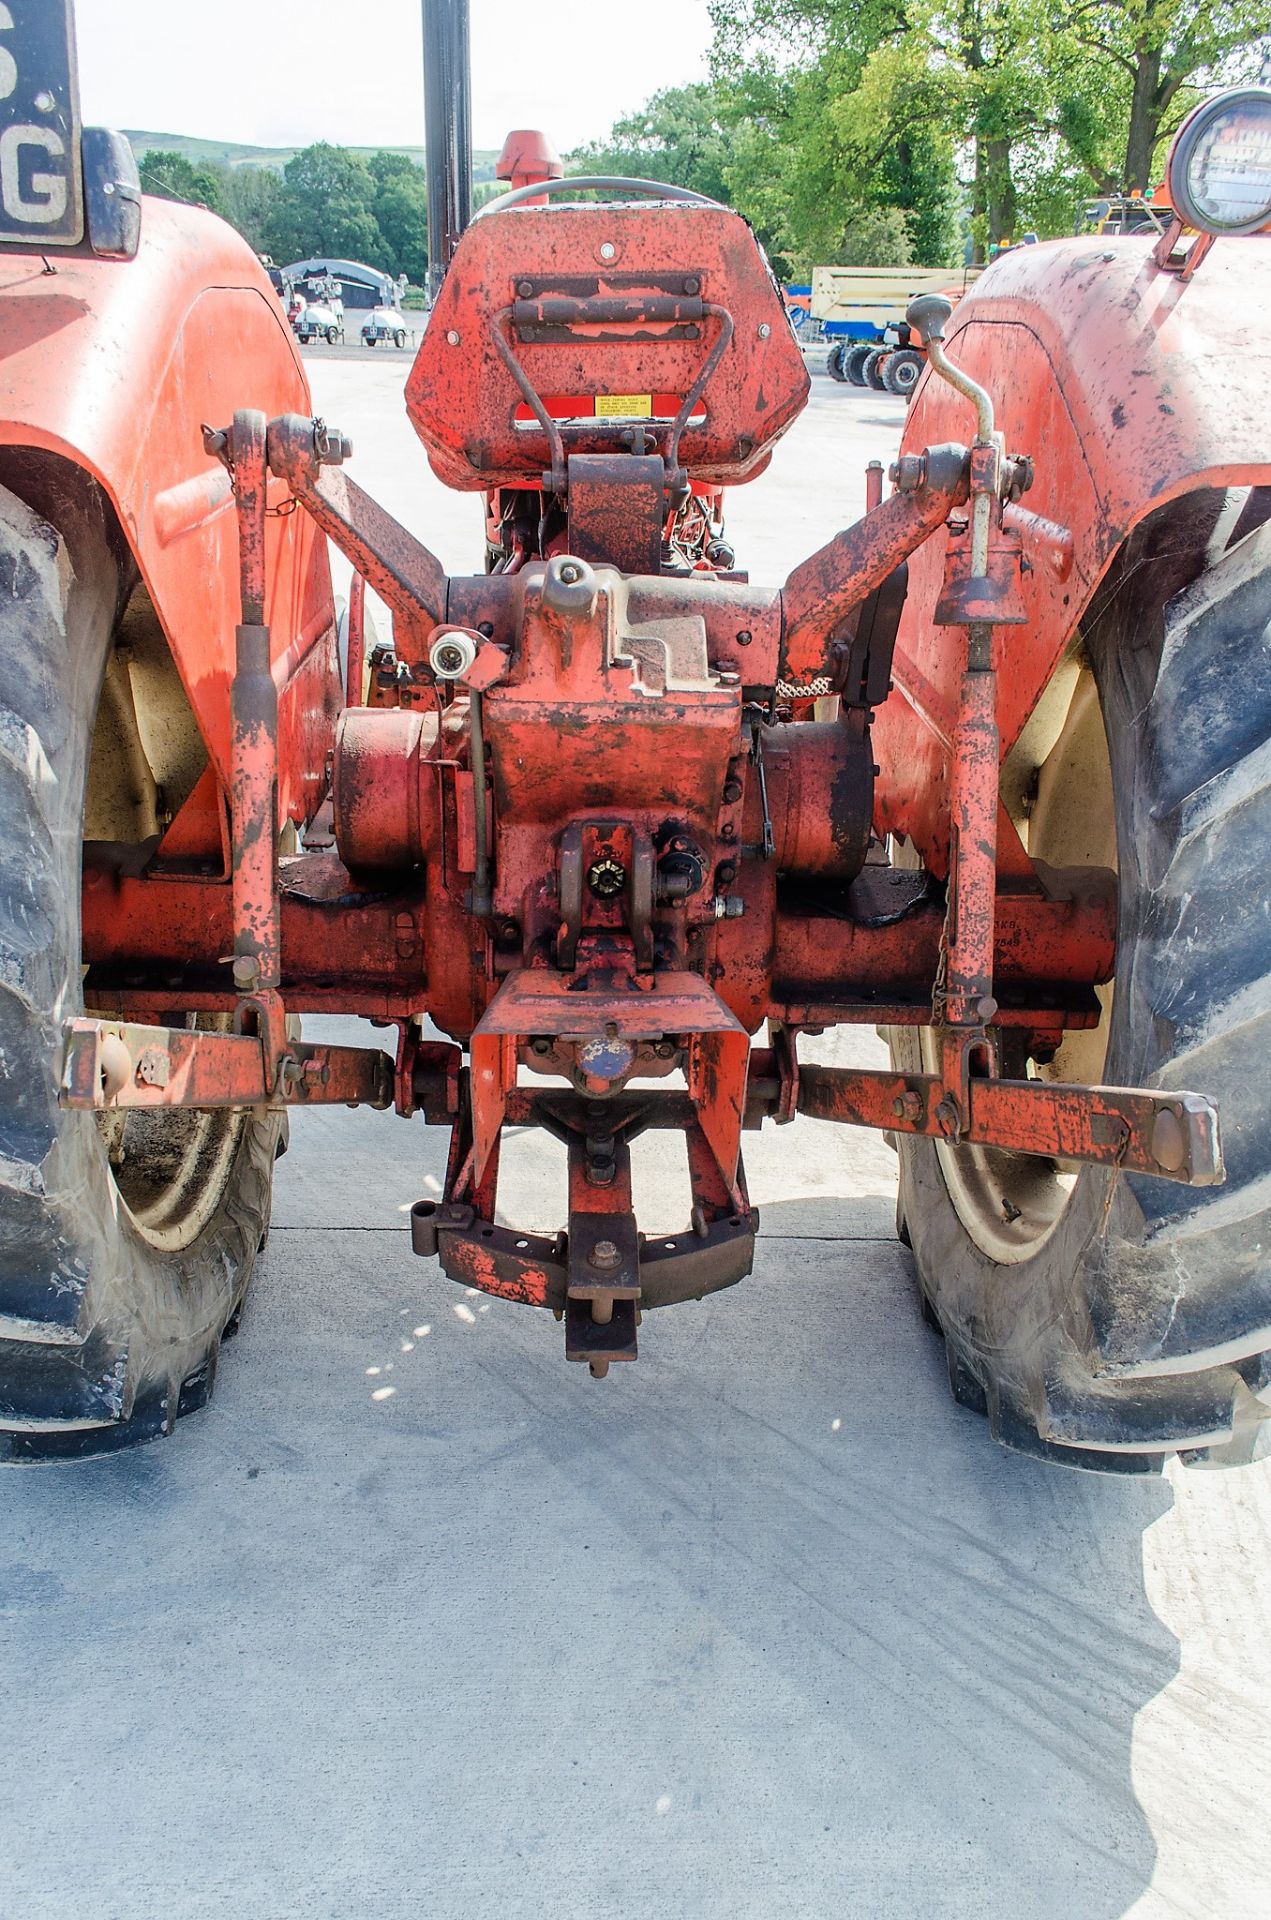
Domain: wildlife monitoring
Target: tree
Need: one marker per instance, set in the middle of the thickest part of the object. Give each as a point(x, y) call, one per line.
point(326, 208)
point(1148, 61)
point(170, 176)
point(679, 136)
point(400, 207)
point(855, 128)
point(250, 196)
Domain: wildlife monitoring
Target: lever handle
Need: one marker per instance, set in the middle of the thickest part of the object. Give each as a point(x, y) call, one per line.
point(928, 314)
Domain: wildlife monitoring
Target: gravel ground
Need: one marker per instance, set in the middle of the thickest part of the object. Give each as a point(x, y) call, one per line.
point(417, 1620)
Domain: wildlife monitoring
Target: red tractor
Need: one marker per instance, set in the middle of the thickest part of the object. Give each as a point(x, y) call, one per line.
point(987, 771)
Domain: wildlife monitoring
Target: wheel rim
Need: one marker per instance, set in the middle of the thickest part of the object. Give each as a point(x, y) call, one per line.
point(169, 1166)
point(1057, 788)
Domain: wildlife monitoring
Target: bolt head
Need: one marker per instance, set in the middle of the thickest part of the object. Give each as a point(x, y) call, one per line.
point(764, 330)
point(605, 1256)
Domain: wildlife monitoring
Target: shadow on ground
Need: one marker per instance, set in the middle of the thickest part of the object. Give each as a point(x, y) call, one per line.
point(417, 1619)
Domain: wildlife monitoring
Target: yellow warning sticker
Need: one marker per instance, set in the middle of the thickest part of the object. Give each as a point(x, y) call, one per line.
point(624, 406)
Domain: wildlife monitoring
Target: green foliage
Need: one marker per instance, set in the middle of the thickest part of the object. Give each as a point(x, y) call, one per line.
point(249, 201)
point(400, 207)
point(326, 200)
point(327, 208)
point(170, 176)
point(1016, 110)
point(679, 136)
point(1135, 69)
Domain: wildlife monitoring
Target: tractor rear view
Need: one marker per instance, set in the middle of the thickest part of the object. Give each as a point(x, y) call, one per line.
point(985, 771)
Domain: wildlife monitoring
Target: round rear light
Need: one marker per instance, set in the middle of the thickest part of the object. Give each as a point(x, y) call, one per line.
point(1219, 173)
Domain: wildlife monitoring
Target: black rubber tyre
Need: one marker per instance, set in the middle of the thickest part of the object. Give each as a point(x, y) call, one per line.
point(113, 1294)
point(333, 334)
point(1138, 1324)
point(399, 338)
point(872, 367)
point(854, 362)
point(834, 362)
point(902, 371)
point(372, 339)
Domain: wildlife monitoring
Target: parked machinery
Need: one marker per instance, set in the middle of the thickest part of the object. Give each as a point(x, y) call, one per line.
point(983, 771)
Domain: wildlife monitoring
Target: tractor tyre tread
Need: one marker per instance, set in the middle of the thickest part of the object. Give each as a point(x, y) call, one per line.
point(902, 371)
point(103, 1340)
point(1143, 1327)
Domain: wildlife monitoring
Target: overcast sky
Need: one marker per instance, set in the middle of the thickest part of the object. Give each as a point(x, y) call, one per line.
point(286, 72)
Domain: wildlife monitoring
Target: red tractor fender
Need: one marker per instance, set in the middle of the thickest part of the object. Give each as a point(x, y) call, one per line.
point(1129, 387)
point(114, 366)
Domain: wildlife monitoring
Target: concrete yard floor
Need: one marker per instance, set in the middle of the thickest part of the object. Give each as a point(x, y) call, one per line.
point(417, 1620)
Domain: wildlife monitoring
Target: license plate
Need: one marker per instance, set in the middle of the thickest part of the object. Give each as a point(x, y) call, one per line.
point(41, 201)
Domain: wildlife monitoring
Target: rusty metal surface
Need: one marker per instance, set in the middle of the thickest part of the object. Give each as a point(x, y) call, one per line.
point(355, 663)
point(673, 1007)
point(616, 510)
point(617, 839)
point(385, 790)
point(820, 781)
point(254, 732)
point(1129, 387)
point(1170, 1134)
point(111, 1065)
point(831, 582)
point(463, 394)
point(597, 1272)
point(968, 984)
point(342, 945)
point(406, 575)
point(116, 371)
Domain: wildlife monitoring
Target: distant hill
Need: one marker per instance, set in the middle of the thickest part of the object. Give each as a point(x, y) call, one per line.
point(228, 153)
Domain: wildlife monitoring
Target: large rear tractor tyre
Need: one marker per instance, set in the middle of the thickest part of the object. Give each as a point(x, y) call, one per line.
point(1107, 1320)
point(126, 1244)
point(834, 361)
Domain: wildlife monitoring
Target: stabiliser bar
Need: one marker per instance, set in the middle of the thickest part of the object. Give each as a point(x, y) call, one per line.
point(1171, 1135)
point(113, 1065)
